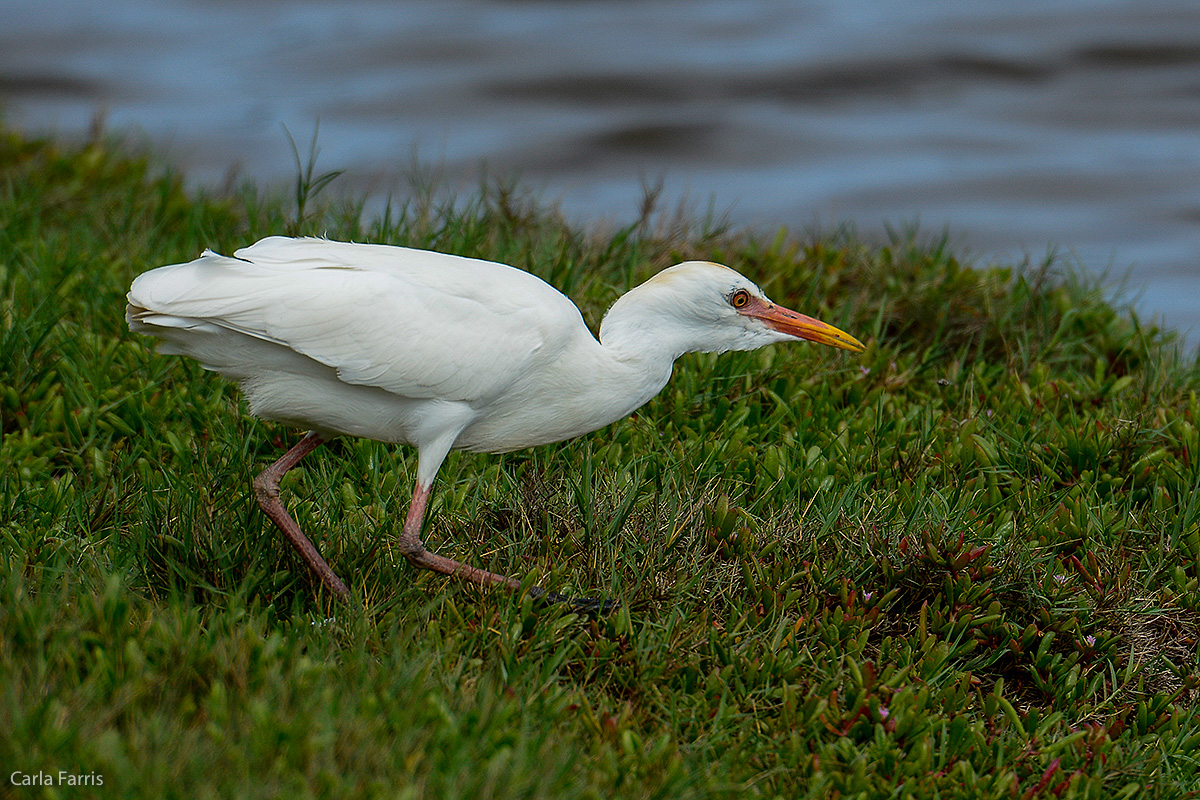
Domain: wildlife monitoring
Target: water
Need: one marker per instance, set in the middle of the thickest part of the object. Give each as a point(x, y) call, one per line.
point(1017, 127)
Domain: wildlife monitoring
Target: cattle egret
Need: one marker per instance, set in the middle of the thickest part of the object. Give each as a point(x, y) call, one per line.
point(437, 351)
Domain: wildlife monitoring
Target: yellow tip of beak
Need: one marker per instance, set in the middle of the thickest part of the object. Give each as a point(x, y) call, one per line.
point(837, 338)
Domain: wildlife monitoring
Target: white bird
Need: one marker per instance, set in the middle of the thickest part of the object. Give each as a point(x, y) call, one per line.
point(437, 351)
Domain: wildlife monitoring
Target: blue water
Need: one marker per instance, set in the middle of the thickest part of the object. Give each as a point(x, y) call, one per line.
point(1018, 127)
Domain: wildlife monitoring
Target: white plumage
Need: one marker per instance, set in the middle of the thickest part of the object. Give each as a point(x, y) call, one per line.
point(438, 351)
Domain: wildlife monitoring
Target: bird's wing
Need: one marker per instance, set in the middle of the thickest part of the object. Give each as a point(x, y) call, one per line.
point(415, 323)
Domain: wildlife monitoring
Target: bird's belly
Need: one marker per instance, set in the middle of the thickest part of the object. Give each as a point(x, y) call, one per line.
point(333, 407)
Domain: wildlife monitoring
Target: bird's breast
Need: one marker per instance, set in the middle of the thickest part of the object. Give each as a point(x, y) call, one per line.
point(581, 393)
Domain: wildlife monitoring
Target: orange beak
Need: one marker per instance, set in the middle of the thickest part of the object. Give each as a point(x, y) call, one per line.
point(794, 324)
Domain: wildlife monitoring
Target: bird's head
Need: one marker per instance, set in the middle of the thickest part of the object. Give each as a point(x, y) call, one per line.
point(706, 307)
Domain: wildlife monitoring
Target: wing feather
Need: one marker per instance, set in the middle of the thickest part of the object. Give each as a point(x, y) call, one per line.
point(415, 323)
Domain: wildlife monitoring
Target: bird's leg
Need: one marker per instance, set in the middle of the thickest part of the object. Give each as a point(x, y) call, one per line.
point(417, 555)
point(266, 489)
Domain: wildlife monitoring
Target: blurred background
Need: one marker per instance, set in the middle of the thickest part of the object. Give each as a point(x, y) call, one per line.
point(1018, 128)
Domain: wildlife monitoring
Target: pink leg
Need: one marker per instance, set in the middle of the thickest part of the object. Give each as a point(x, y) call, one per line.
point(266, 489)
point(415, 552)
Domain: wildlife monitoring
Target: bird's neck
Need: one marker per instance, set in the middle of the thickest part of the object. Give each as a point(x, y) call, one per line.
point(593, 383)
point(632, 364)
point(632, 367)
point(637, 330)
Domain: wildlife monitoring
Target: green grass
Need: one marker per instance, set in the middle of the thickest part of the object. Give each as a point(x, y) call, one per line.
point(965, 563)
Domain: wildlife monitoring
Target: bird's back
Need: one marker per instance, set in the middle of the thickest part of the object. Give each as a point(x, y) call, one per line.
point(440, 272)
point(215, 285)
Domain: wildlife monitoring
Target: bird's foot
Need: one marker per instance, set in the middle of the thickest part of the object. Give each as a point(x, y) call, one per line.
point(595, 606)
point(419, 556)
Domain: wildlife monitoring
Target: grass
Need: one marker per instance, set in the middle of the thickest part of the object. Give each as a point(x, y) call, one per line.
point(963, 564)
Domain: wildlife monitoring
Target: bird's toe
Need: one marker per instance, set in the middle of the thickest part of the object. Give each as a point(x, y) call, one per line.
point(597, 606)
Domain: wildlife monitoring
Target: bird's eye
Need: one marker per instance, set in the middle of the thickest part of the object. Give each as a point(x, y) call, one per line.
point(739, 299)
